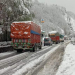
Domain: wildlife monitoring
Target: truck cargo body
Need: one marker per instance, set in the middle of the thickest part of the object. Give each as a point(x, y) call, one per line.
point(25, 35)
point(55, 37)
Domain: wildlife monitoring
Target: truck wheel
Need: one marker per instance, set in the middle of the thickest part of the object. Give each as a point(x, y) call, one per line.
point(17, 51)
point(53, 42)
point(40, 47)
point(34, 48)
point(49, 44)
point(20, 51)
point(56, 42)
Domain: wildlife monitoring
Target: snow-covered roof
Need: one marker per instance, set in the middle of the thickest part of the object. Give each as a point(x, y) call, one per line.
point(22, 22)
point(65, 36)
point(52, 32)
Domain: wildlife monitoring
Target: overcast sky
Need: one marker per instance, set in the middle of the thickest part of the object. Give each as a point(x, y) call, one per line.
point(68, 4)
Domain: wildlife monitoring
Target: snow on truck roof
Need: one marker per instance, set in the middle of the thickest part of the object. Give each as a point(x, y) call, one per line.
point(29, 22)
point(52, 32)
point(23, 22)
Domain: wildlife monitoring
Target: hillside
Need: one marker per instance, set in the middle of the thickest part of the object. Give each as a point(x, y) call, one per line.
point(53, 16)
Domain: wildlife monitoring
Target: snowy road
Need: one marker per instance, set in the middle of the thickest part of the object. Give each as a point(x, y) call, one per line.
point(23, 63)
point(51, 64)
point(7, 54)
point(8, 65)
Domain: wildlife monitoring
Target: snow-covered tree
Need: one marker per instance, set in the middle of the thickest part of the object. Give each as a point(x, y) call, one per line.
point(52, 15)
point(16, 10)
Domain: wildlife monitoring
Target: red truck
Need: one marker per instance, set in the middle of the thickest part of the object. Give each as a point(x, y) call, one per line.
point(25, 35)
point(55, 37)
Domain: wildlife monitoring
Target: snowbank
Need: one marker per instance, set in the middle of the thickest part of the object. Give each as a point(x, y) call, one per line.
point(67, 66)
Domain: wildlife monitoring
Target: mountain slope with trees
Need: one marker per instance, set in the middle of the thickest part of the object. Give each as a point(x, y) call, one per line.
point(52, 15)
point(55, 18)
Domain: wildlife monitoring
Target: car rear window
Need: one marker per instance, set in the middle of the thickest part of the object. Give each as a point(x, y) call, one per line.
point(46, 39)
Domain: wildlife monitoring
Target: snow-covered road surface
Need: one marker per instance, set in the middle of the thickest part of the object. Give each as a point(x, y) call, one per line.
point(51, 63)
point(10, 53)
point(7, 54)
point(10, 65)
point(24, 63)
point(33, 64)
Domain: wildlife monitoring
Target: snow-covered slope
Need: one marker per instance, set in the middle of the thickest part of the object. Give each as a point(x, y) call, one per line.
point(71, 23)
point(55, 17)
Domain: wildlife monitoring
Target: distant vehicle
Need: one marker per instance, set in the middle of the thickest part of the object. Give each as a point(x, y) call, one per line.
point(47, 41)
point(55, 36)
point(61, 38)
point(25, 35)
point(65, 37)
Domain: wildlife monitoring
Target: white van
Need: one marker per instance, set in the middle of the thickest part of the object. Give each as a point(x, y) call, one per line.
point(47, 41)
